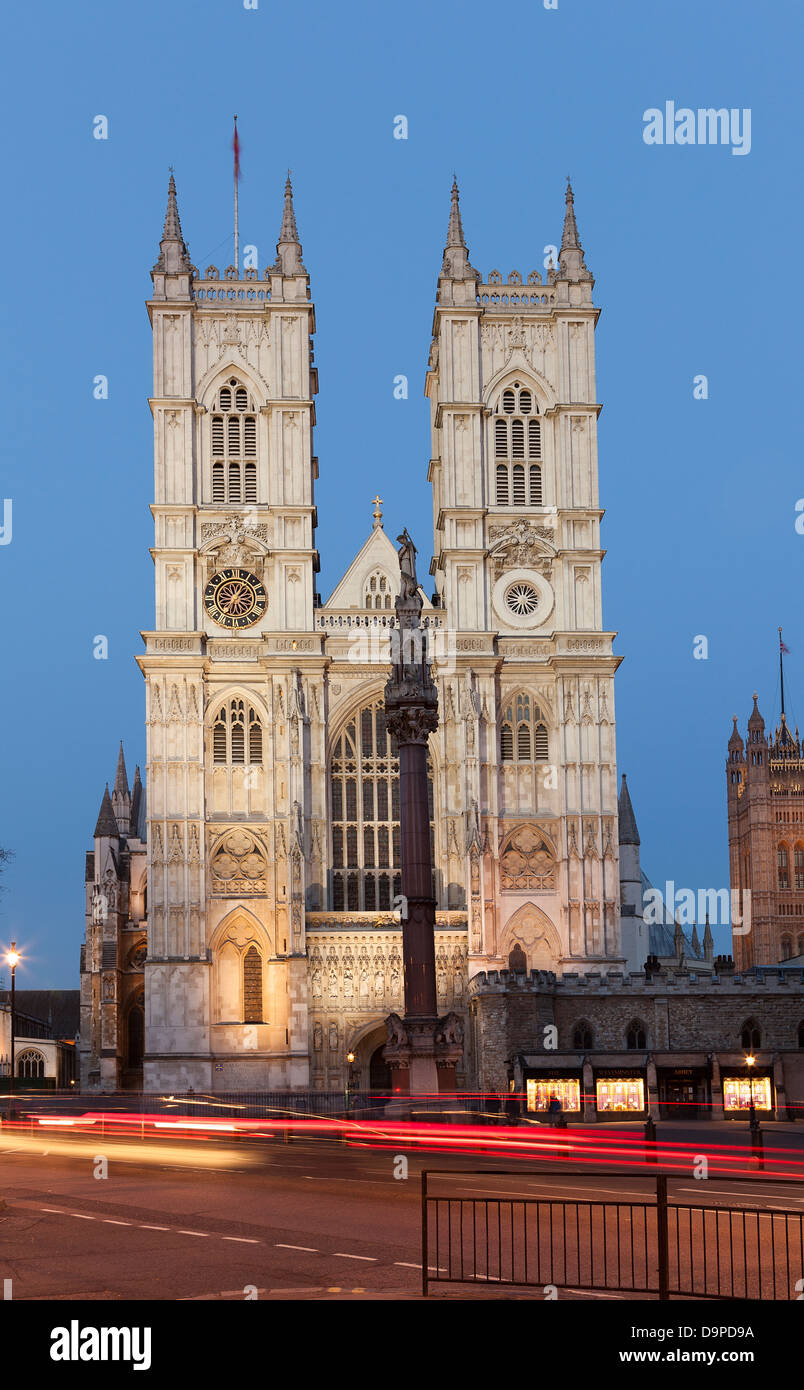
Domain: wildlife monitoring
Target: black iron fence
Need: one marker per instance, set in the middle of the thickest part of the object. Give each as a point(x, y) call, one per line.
point(652, 1244)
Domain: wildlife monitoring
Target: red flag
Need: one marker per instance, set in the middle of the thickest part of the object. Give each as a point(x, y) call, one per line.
point(783, 647)
point(236, 148)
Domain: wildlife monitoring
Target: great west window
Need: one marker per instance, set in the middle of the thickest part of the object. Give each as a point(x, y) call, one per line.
point(364, 790)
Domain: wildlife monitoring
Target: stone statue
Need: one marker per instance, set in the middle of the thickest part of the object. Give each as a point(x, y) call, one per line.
point(397, 1035)
point(407, 567)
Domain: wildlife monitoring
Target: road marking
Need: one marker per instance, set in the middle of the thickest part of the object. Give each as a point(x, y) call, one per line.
point(403, 1264)
point(339, 1255)
point(205, 1234)
point(55, 1211)
point(310, 1249)
point(79, 1217)
point(155, 1228)
point(244, 1240)
point(107, 1221)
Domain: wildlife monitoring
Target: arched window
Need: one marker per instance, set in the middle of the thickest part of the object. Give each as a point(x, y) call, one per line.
point(636, 1037)
point(31, 1065)
point(233, 435)
point(798, 867)
point(523, 732)
point(230, 743)
point(517, 440)
point(583, 1039)
point(783, 867)
point(378, 592)
point(787, 948)
point(364, 791)
point(252, 986)
point(750, 1036)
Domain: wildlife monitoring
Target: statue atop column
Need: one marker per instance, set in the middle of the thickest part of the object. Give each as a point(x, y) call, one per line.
point(422, 1049)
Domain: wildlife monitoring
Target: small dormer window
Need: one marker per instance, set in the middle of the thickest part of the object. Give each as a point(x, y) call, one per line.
point(378, 593)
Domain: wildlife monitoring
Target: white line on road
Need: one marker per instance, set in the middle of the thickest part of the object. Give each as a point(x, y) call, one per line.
point(205, 1234)
point(339, 1255)
point(403, 1264)
point(154, 1228)
point(107, 1221)
point(309, 1249)
point(244, 1240)
point(80, 1217)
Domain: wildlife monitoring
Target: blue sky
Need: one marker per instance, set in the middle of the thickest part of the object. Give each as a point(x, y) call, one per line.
point(696, 258)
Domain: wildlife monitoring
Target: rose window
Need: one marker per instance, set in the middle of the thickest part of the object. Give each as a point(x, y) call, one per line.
point(522, 599)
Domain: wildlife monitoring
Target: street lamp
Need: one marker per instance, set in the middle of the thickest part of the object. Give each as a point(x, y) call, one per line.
point(12, 958)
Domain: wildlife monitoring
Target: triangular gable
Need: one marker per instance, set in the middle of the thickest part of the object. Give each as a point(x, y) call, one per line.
point(377, 554)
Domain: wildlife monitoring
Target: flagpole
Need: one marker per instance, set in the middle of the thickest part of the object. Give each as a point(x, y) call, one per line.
point(236, 214)
point(781, 668)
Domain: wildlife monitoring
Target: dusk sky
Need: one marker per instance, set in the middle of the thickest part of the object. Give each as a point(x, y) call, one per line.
point(695, 253)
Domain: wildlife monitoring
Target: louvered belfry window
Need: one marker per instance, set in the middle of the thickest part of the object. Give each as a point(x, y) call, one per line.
point(523, 732)
point(518, 441)
point(234, 445)
point(364, 791)
point(237, 734)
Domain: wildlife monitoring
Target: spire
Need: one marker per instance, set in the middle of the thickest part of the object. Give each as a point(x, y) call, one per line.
point(377, 513)
point(570, 258)
point(136, 803)
point(107, 824)
point(696, 945)
point(121, 797)
point(736, 744)
point(628, 833)
point(756, 721)
point(456, 265)
point(121, 777)
point(455, 228)
point(708, 943)
point(288, 248)
point(173, 253)
point(678, 941)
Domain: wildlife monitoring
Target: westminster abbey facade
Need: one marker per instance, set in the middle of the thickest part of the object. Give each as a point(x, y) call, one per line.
point(241, 926)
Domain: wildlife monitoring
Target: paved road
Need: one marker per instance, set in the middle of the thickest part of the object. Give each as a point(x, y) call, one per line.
point(308, 1220)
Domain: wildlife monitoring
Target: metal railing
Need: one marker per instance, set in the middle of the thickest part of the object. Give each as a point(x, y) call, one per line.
point(656, 1246)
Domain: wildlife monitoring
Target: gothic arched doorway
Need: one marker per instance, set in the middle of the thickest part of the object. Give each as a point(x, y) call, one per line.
point(135, 1044)
point(379, 1072)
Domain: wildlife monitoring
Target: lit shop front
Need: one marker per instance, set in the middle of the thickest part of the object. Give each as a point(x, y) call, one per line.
point(540, 1091)
point(620, 1094)
point(738, 1092)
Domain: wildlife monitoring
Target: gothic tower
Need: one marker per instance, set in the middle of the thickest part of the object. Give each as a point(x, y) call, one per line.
point(230, 668)
point(765, 801)
point(528, 716)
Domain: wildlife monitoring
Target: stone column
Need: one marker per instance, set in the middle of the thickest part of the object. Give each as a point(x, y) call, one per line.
point(422, 1049)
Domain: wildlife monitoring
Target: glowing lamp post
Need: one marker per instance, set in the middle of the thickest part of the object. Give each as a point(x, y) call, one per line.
point(12, 957)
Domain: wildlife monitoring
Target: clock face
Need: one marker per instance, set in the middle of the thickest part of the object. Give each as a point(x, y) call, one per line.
point(235, 598)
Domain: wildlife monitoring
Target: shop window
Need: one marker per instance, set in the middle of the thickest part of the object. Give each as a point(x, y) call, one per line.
point(540, 1093)
point(627, 1093)
point(738, 1092)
